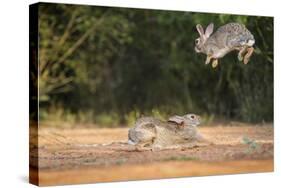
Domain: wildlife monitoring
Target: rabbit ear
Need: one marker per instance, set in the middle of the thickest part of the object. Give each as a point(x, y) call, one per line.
point(200, 29)
point(209, 30)
point(176, 119)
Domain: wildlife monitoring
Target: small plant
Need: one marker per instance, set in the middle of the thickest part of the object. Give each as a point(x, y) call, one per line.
point(107, 120)
point(180, 158)
point(251, 143)
point(158, 114)
point(131, 117)
point(121, 161)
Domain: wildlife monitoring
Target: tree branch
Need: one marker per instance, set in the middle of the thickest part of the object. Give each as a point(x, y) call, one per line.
point(81, 40)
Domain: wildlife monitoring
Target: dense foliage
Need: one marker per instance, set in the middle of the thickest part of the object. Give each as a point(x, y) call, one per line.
point(109, 65)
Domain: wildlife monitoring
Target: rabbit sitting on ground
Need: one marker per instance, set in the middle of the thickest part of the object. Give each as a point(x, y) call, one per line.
point(177, 132)
point(229, 37)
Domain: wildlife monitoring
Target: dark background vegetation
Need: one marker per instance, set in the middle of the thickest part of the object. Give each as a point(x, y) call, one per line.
point(107, 66)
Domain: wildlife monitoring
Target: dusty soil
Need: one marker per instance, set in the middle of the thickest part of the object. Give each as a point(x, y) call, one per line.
point(84, 155)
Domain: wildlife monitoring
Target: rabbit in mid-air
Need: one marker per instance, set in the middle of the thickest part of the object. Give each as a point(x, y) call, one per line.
point(229, 37)
point(177, 132)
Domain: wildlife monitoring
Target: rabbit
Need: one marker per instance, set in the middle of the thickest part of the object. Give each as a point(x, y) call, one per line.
point(153, 134)
point(229, 37)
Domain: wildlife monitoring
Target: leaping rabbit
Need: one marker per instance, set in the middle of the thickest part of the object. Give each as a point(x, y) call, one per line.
point(229, 37)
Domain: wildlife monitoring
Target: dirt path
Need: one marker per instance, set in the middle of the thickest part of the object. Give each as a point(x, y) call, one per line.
point(79, 154)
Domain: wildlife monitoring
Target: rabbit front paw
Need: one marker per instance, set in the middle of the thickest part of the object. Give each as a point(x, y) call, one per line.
point(208, 59)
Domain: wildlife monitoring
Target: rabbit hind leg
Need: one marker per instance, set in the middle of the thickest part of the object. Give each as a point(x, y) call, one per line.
point(161, 148)
point(141, 147)
point(249, 53)
point(146, 139)
point(242, 51)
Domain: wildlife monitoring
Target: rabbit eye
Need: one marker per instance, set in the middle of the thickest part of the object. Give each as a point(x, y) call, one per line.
point(197, 41)
point(192, 116)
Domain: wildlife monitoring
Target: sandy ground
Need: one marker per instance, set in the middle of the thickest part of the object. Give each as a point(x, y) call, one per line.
point(85, 155)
